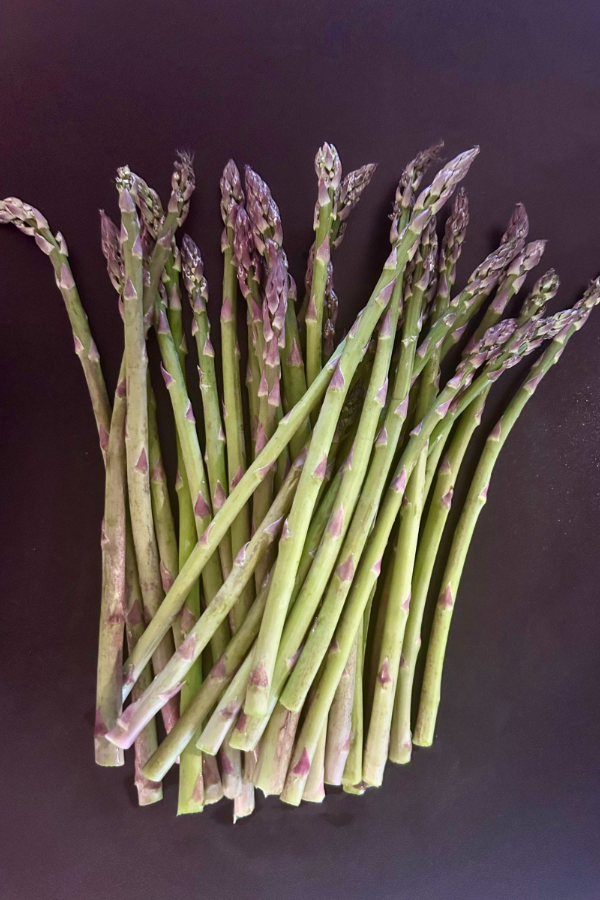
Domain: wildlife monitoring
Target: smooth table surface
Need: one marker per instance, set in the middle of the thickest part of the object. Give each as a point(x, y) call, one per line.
point(505, 804)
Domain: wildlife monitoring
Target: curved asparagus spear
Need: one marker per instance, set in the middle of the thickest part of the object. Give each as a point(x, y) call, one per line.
point(476, 499)
point(380, 464)
point(112, 611)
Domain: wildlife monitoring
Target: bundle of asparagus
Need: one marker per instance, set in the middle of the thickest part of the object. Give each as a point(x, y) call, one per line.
point(277, 627)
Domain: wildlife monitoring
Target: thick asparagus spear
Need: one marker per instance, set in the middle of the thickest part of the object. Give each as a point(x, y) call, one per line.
point(329, 173)
point(136, 436)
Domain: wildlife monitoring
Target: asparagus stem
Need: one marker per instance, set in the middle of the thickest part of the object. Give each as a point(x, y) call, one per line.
point(339, 721)
point(329, 171)
point(207, 625)
point(31, 222)
point(136, 435)
point(161, 503)
point(213, 786)
point(244, 804)
point(476, 499)
point(275, 751)
point(226, 711)
point(112, 611)
point(196, 286)
point(233, 414)
point(212, 688)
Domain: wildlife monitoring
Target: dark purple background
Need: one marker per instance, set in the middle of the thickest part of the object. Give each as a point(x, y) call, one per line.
point(505, 805)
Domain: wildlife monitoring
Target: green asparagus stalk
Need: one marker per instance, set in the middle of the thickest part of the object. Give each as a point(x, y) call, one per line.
point(161, 503)
point(112, 611)
point(476, 499)
point(136, 435)
point(266, 224)
point(216, 612)
point(196, 286)
point(31, 222)
point(233, 414)
point(352, 774)
point(329, 173)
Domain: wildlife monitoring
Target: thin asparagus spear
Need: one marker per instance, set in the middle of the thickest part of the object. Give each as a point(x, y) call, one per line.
point(161, 503)
point(329, 173)
point(211, 777)
point(233, 414)
point(352, 774)
point(297, 524)
point(266, 223)
point(112, 611)
point(376, 745)
point(244, 804)
point(136, 435)
point(204, 629)
point(226, 711)
point(197, 289)
point(220, 675)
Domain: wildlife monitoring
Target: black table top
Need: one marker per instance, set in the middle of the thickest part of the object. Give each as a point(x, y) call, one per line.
point(505, 804)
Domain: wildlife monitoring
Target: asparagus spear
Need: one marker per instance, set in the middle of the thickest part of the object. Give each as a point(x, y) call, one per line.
point(476, 499)
point(233, 414)
point(329, 173)
point(339, 721)
point(314, 789)
point(112, 611)
point(136, 436)
point(352, 774)
point(197, 289)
